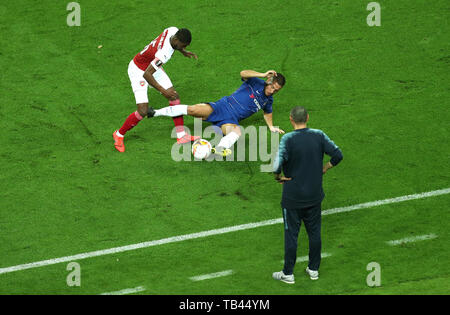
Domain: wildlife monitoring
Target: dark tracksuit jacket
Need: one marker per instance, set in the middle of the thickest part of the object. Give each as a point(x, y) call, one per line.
point(300, 156)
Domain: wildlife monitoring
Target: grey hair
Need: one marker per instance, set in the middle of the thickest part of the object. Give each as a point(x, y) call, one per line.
point(299, 114)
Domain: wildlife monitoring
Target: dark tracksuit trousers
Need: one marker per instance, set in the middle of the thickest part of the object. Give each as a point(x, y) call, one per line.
point(300, 157)
point(312, 218)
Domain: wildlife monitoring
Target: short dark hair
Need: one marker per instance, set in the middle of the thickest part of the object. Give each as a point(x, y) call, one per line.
point(299, 114)
point(184, 35)
point(280, 79)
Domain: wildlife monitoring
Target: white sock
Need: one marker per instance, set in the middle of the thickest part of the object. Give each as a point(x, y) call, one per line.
point(228, 141)
point(118, 134)
point(172, 111)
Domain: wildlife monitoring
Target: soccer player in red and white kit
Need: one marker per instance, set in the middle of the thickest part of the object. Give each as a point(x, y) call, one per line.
point(146, 69)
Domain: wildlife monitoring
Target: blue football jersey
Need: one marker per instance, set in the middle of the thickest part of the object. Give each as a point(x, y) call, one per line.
point(249, 98)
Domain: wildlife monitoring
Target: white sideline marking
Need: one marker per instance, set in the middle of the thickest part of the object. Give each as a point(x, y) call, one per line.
point(212, 275)
point(306, 258)
point(235, 228)
point(412, 239)
point(387, 201)
point(125, 291)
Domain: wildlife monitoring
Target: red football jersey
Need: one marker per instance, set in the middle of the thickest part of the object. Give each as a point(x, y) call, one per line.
point(159, 48)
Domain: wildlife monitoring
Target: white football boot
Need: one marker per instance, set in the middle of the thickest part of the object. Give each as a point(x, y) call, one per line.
point(282, 277)
point(313, 274)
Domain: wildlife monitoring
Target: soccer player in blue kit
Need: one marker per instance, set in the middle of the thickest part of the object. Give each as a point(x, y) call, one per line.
point(253, 95)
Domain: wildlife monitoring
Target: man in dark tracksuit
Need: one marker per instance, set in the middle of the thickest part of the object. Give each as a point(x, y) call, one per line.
point(300, 157)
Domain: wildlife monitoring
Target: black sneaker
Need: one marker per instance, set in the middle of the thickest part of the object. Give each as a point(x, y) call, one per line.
point(150, 112)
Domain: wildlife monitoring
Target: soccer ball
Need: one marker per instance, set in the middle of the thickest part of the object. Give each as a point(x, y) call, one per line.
point(201, 149)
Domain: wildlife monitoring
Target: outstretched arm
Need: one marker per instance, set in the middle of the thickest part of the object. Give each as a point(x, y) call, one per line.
point(247, 74)
point(268, 119)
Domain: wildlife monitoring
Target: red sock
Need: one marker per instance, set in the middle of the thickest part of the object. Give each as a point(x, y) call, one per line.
point(178, 121)
point(130, 122)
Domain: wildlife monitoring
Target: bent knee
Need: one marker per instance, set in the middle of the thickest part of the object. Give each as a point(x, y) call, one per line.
point(142, 109)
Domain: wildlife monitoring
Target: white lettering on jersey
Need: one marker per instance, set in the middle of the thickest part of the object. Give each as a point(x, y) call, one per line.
point(162, 40)
point(257, 103)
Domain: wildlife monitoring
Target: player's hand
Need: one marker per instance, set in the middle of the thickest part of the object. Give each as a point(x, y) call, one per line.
point(281, 179)
point(275, 129)
point(270, 74)
point(189, 54)
point(326, 167)
point(171, 95)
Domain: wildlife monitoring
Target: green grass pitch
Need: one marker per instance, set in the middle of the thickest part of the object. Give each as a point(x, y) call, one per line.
point(381, 93)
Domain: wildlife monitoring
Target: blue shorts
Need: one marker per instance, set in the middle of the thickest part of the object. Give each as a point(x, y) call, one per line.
point(221, 114)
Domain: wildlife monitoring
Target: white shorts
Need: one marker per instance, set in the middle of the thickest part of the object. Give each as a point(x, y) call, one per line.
point(140, 85)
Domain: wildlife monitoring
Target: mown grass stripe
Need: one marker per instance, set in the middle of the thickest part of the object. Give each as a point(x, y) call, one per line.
point(235, 228)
